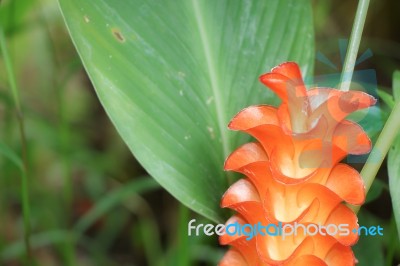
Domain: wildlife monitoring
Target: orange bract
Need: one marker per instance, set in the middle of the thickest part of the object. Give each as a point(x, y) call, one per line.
point(294, 175)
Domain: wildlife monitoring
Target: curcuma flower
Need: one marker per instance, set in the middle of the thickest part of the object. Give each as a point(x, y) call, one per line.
point(294, 175)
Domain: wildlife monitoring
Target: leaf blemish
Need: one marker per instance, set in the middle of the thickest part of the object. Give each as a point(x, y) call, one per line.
point(118, 35)
point(211, 131)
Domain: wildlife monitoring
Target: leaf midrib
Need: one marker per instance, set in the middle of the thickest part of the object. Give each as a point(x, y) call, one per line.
point(213, 77)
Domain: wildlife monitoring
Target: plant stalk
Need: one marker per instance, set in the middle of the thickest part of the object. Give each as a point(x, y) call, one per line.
point(375, 159)
point(24, 171)
point(354, 44)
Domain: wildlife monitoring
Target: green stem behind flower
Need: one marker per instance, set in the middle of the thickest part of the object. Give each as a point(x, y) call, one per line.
point(381, 148)
point(354, 44)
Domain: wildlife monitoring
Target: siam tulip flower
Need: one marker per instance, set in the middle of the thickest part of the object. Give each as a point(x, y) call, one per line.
point(294, 175)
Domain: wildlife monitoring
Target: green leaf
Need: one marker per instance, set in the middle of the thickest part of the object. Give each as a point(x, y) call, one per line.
point(394, 160)
point(14, 251)
point(396, 85)
point(376, 190)
point(13, 13)
point(171, 74)
point(386, 98)
point(17, 248)
point(11, 155)
point(370, 249)
point(112, 199)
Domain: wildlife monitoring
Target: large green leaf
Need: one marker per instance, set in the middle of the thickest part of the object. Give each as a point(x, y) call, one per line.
point(171, 74)
point(394, 160)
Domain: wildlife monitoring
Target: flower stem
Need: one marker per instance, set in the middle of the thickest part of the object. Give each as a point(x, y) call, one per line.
point(354, 44)
point(24, 171)
point(389, 133)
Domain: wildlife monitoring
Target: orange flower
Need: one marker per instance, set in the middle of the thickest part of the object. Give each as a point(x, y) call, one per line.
point(294, 175)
